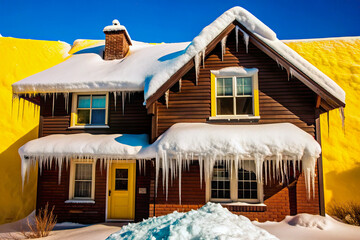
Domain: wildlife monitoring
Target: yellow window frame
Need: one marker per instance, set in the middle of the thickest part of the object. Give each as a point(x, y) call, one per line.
point(74, 109)
point(255, 94)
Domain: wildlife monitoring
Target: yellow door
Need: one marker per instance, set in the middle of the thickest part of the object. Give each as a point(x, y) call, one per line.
point(121, 192)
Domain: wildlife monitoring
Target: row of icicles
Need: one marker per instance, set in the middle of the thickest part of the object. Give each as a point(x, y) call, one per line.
point(125, 96)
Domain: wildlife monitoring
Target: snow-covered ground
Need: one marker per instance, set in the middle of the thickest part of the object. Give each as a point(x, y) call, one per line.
point(209, 222)
point(306, 226)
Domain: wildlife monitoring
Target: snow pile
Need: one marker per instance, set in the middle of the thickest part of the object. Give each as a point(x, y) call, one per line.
point(212, 221)
point(306, 226)
point(308, 220)
point(63, 147)
point(272, 146)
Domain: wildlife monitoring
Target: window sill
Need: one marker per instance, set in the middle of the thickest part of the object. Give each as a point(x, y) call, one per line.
point(80, 201)
point(234, 118)
point(243, 204)
point(88, 127)
point(245, 207)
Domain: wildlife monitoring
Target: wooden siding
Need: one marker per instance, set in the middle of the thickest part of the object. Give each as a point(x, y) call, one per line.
point(281, 98)
point(135, 119)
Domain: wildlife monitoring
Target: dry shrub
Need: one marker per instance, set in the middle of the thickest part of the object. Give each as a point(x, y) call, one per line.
point(45, 221)
point(346, 212)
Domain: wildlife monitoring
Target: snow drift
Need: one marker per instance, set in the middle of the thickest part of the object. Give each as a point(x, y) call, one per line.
point(212, 221)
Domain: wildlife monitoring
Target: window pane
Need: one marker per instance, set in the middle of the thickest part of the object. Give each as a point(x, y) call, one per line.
point(121, 173)
point(82, 189)
point(244, 86)
point(220, 183)
point(247, 90)
point(220, 87)
point(83, 171)
point(121, 184)
point(239, 86)
point(98, 101)
point(247, 186)
point(224, 87)
point(254, 194)
point(84, 101)
point(98, 116)
point(244, 105)
point(225, 106)
point(83, 116)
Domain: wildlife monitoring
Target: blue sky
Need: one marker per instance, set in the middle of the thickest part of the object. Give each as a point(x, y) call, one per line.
point(172, 21)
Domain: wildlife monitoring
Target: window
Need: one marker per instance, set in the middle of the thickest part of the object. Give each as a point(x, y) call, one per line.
point(82, 180)
point(234, 93)
point(240, 185)
point(89, 110)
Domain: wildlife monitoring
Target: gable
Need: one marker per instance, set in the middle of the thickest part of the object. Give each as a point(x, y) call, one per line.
point(260, 35)
point(280, 99)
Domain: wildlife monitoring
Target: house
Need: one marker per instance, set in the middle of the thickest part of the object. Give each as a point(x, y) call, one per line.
point(130, 130)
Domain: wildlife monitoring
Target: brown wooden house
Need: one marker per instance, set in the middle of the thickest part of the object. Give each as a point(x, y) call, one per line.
point(234, 73)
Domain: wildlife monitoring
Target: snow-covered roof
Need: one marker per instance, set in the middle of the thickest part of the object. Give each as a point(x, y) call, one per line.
point(86, 145)
point(278, 143)
point(245, 141)
point(87, 71)
point(148, 67)
point(83, 145)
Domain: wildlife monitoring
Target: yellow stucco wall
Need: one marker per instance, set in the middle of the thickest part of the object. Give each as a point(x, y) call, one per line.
point(340, 60)
point(20, 58)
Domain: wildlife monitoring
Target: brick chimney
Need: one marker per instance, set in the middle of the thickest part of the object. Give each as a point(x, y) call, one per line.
point(117, 41)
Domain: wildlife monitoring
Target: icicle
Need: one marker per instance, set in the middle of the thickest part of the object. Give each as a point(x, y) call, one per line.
point(167, 93)
point(223, 47)
point(245, 38)
point(197, 66)
point(179, 166)
point(180, 83)
point(237, 38)
point(291, 72)
point(53, 105)
point(59, 162)
point(203, 52)
point(66, 100)
point(342, 116)
point(123, 102)
point(115, 99)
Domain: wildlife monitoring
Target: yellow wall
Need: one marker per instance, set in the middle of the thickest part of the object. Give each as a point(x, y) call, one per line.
point(20, 58)
point(340, 60)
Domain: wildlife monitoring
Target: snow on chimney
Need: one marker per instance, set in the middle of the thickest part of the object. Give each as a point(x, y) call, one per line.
point(117, 41)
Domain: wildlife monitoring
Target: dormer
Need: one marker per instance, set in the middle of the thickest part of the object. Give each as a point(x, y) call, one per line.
point(117, 41)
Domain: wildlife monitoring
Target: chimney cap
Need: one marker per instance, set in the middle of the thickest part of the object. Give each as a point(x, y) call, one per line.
point(114, 27)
